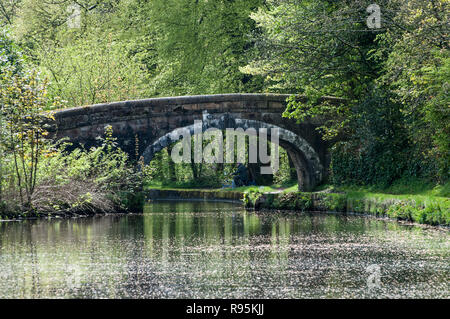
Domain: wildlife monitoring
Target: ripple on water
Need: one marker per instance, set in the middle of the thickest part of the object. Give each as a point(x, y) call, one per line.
point(203, 250)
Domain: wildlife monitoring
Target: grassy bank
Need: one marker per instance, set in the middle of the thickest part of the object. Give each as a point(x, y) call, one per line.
point(415, 201)
point(412, 200)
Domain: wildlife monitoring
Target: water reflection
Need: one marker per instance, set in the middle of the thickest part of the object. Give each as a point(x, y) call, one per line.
point(202, 250)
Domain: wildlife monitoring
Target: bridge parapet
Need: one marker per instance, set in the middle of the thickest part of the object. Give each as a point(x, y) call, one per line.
point(220, 103)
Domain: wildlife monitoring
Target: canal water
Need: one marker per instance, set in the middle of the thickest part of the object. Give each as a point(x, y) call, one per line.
point(218, 250)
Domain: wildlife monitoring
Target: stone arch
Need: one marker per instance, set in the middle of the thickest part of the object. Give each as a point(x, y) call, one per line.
point(310, 170)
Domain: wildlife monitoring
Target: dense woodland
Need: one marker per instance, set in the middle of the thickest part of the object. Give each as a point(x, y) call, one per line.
point(394, 127)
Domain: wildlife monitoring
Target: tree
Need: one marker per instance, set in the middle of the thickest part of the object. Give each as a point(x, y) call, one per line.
point(8, 9)
point(316, 48)
point(92, 70)
point(417, 68)
point(11, 62)
point(91, 64)
point(394, 79)
point(23, 99)
point(200, 45)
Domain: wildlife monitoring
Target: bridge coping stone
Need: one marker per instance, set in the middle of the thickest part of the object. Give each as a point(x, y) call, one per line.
point(180, 100)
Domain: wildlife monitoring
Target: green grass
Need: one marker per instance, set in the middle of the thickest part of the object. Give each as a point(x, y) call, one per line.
point(410, 199)
point(410, 186)
point(288, 187)
point(411, 190)
point(175, 186)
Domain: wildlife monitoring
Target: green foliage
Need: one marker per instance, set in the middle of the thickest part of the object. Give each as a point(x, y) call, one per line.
point(91, 64)
point(417, 69)
point(11, 57)
point(105, 169)
point(377, 153)
point(23, 98)
point(8, 11)
point(315, 48)
point(201, 45)
point(286, 172)
point(250, 197)
point(432, 211)
point(395, 121)
point(393, 126)
point(292, 201)
point(163, 172)
point(335, 202)
point(93, 70)
point(99, 179)
point(131, 49)
point(428, 214)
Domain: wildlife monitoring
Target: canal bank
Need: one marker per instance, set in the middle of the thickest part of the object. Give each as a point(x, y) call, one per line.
point(89, 205)
point(415, 209)
point(435, 212)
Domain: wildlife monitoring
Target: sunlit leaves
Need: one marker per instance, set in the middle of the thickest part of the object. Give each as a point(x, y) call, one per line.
point(23, 100)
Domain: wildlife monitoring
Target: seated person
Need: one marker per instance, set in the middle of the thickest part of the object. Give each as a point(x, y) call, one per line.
point(241, 177)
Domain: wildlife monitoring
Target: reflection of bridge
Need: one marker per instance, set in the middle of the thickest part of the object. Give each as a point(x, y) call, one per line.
point(152, 121)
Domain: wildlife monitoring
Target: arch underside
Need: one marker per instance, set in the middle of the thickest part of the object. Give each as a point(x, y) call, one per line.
point(307, 163)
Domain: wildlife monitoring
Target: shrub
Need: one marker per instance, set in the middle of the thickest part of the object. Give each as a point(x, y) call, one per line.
point(99, 179)
point(249, 199)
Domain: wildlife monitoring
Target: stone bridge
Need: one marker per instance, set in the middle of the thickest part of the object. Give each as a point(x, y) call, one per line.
point(154, 123)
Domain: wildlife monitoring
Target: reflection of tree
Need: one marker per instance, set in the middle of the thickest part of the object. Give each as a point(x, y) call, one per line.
point(206, 250)
point(278, 259)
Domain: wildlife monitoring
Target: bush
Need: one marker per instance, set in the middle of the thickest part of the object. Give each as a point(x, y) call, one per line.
point(83, 181)
point(98, 179)
point(249, 198)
